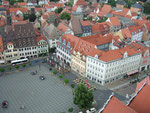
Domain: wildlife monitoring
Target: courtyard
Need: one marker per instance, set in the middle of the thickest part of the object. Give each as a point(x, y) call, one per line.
point(38, 96)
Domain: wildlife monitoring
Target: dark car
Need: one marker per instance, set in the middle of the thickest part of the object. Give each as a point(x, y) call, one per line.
point(42, 77)
point(5, 104)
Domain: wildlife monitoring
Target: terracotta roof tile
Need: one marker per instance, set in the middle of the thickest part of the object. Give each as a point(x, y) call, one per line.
point(148, 26)
point(116, 106)
point(126, 33)
point(106, 9)
point(98, 39)
point(21, 3)
point(81, 2)
point(140, 103)
point(115, 21)
point(85, 23)
point(62, 27)
point(24, 10)
point(140, 84)
point(70, 38)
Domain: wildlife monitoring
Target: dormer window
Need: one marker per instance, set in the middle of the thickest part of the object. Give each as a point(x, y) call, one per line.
point(84, 45)
point(81, 43)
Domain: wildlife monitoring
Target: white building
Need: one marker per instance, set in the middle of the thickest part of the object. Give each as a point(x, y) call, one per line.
point(42, 46)
point(105, 67)
point(136, 33)
point(28, 52)
point(52, 35)
point(65, 46)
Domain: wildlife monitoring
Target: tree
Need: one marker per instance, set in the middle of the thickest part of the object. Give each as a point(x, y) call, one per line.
point(58, 10)
point(23, 65)
point(112, 3)
point(30, 64)
point(148, 18)
point(16, 66)
point(66, 81)
point(65, 16)
point(83, 97)
point(2, 69)
point(60, 76)
point(55, 72)
point(32, 17)
point(70, 110)
point(147, 8)
point(9, 68)
point(54, 0)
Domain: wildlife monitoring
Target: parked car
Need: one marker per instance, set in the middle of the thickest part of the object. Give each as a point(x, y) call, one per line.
point(92, 110)
point(42, 77)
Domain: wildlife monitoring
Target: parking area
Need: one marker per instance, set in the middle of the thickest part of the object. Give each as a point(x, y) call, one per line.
point(20, 88)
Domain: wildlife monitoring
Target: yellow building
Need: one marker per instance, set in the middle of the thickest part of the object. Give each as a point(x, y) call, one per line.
point(78, 56)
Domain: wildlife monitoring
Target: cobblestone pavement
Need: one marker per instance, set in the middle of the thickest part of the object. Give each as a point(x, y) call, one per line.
point(47, 96)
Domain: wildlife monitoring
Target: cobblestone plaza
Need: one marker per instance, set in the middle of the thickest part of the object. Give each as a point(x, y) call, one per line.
point(47, 96)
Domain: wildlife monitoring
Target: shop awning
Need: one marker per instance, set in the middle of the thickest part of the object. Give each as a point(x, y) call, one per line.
point(135, 71)
point(2, 61)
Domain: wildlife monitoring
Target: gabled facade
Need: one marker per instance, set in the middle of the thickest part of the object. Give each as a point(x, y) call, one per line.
point(64, 48)
point(86, 27)
point(114, 23)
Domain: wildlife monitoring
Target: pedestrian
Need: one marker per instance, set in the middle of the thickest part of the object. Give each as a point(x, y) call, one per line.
point(39, 66)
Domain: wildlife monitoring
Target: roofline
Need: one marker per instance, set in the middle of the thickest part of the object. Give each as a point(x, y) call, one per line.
point(105, 104)
point(136, 93)
point(113, 60)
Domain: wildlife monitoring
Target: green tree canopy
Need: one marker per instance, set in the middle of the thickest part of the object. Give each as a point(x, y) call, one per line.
point(83, 97)
point(65, 16)
point(147, 8)
point(58, 10)
point(148, 18)
point(32, 17)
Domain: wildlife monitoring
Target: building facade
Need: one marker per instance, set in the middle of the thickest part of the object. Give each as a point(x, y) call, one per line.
point(101, 70)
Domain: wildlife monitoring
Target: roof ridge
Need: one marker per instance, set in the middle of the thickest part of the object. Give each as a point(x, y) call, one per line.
point(106, 102)
point(137, 93)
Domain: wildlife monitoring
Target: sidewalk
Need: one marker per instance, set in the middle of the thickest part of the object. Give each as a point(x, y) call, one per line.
point(122, 83)
point(30, 60)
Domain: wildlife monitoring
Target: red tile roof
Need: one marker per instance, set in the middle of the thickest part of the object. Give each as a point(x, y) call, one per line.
point(126, 33)
point(71, 38)
point(140, 84)
point(85, 23)
point(1, 45)
point(111, 55)
point(115, 21)
point(140, 22)
point(17, 18)
point(140, 102)
point(148, 26)
point(105, 10)
point(66, 10)
point(122, 13)
point(136, 28)
point(62, 27)
point(116, 106)
point(84, 47)
point(100, 27)
point(81, 2)
point(21, 3)
point(98, 39)
point(24, 10)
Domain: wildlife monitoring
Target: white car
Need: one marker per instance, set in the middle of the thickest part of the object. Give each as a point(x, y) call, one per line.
point(92, 110)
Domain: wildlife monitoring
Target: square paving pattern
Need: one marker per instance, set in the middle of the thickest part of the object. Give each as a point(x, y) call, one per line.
point(47, 96)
